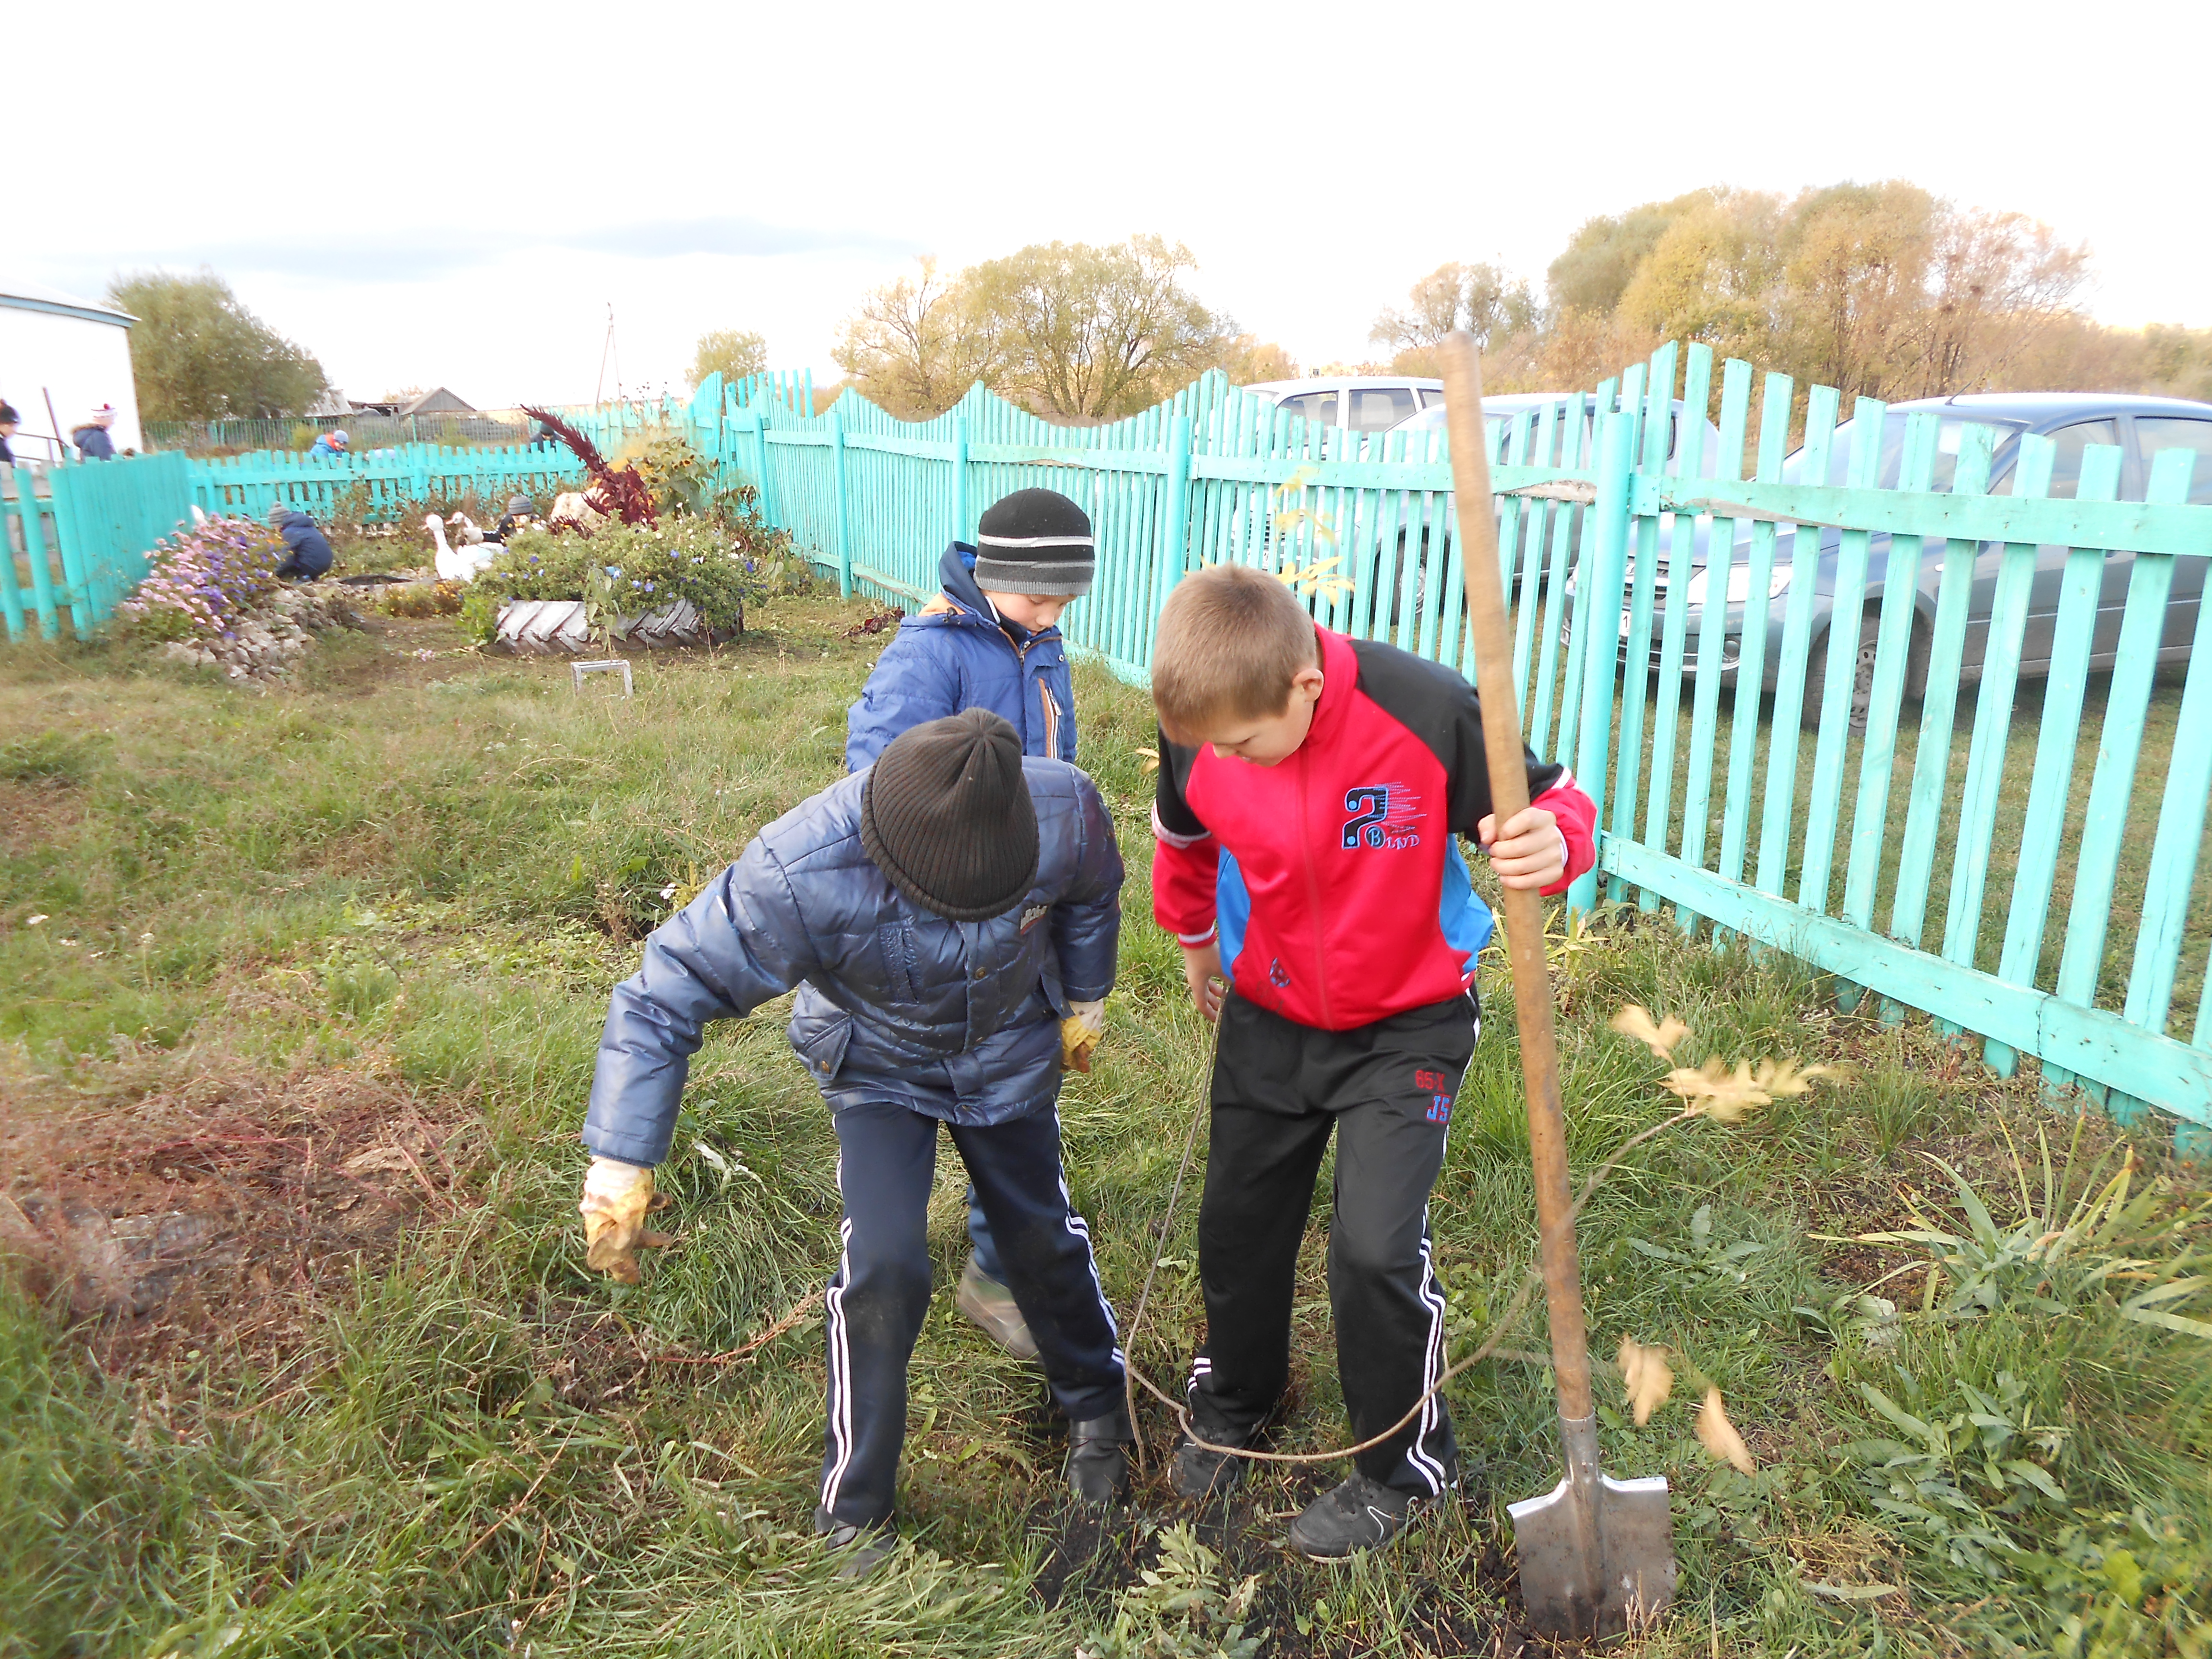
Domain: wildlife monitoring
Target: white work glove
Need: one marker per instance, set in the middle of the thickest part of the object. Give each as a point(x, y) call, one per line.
point(617, 1198)
point(1080, 1033)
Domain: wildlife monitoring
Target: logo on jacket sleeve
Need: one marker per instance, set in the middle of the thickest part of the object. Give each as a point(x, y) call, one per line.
point(1382, 816)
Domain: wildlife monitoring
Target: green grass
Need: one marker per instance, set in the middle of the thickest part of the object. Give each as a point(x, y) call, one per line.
point(2001, 858)
point(411, 883)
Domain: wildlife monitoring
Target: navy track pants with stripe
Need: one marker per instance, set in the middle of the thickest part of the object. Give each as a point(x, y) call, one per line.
point(886, 1164)
point(1386, 1090)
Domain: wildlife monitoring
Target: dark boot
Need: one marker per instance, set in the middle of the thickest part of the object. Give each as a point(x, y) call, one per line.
point(1359, 1514)
point(1098, 1467)
point(1199, 1474)
point(865, 1548)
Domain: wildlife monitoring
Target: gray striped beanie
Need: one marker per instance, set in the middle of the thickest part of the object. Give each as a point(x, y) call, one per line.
point(1035, 541)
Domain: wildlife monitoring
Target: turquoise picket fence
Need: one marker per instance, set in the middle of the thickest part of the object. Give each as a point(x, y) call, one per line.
point(372, 486)
point(1838, 844)
point(74, 538)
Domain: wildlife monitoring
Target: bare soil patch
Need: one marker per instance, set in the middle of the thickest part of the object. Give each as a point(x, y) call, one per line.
point(196, 1192)
point(36, 816)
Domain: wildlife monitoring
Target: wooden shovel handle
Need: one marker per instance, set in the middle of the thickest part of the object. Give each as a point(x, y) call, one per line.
point(1524, 908)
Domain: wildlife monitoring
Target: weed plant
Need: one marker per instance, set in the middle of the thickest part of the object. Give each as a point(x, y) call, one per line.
point(425, 875)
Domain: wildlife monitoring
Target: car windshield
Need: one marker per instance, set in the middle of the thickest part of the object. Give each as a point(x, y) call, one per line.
point(1892, 451)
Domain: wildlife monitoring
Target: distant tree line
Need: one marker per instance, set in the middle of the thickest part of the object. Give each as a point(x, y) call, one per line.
point(1880, 290)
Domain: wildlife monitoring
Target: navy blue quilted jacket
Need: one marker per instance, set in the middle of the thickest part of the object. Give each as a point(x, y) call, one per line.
point(958, 1020)
point(953, 656)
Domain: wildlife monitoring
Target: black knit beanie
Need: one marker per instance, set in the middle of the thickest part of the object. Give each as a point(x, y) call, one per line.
point(946, 814)
point(1035, 541)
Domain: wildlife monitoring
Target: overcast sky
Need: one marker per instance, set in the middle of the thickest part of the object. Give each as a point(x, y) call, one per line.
point(454, 194)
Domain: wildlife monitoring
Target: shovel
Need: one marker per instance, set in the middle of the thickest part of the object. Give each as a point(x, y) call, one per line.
point(1597, 1555)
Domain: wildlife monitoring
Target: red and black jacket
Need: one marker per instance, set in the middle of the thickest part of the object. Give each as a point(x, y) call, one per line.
point(1339, 895)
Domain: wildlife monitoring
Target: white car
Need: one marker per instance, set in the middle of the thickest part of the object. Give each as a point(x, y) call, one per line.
point(1569, 438)
point(1354, 402)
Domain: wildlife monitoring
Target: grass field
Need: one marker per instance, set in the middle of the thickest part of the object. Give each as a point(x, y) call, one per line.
point(2000, 862)
point(298, 1355)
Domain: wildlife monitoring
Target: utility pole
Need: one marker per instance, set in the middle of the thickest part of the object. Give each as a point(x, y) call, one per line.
point(607, 351)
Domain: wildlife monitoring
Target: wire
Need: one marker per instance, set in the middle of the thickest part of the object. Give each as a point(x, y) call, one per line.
point(1131, 1377)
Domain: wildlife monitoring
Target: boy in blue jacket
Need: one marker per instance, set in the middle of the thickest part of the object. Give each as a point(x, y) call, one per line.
point(310, 555)
point(988, 641)
point(947, 915)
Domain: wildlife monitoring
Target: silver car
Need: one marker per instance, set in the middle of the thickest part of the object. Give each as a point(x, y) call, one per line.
point(2142, 427)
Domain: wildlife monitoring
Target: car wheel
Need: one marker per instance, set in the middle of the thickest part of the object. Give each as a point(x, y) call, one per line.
point(1916, 670)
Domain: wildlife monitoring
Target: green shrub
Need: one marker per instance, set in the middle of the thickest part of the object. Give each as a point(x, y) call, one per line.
point(623, 570)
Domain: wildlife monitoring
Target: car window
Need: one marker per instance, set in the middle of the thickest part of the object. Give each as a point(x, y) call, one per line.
point(1433, 397)
point(1893, 453)
point(2066, 465)
point(1377, 409)
point(1319, 407)
point(2159, 435)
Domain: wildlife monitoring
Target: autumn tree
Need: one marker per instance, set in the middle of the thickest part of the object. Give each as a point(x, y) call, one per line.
point(1501, 311)
point(1601, 258)
point(1094, 333)
point(197, 354)
point(915, 344)
point(1071, 330)
point(1479, 298)
point(732, 352)
point(1248, 360)
point(1709, 275)
point(1877, 290)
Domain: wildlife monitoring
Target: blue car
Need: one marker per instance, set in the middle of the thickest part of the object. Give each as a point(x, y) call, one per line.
point(2142, 427)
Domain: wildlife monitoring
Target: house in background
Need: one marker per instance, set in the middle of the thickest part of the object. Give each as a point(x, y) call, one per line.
point(76, 352)
point(436, 401)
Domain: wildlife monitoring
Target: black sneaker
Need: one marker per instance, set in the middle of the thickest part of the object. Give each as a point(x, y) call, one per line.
point(1359, 1514)
point(1199, 1474)
point(1097, 1465)
point(865, 1548)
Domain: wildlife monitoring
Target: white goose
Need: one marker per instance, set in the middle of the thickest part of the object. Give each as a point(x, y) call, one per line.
point(460, 567)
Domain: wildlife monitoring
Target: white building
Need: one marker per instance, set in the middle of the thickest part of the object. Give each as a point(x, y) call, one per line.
point(75, 352)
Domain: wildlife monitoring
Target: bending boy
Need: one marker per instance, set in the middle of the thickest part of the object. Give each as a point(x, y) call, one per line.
point(990, 639)
point(941, 912)
point(1310, 789)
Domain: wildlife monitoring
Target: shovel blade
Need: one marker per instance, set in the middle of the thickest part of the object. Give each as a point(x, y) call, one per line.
point(1564, 1595)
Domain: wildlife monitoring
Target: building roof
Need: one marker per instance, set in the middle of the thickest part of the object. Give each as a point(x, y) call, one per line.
point(438, 401)
point(22, 295)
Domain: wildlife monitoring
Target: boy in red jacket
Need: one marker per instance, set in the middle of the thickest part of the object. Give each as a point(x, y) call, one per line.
point(1310, 786)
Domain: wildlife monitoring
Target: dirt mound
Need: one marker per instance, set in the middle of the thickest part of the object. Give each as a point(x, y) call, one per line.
point(187, 1192)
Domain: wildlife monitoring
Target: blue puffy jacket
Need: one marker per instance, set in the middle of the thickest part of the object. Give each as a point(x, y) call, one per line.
point(310, 554)
point(954, 656)
point(957, 1020)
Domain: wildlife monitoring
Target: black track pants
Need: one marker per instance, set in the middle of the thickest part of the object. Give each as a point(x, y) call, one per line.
point(1279, 1088)
point(886, 1162)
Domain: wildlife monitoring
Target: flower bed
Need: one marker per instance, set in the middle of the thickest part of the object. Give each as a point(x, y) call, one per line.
point(683, 580)
point(213, 598)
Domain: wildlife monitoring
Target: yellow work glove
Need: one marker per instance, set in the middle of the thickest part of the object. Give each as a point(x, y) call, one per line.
point(1079, 1034)
point(617, 1198)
